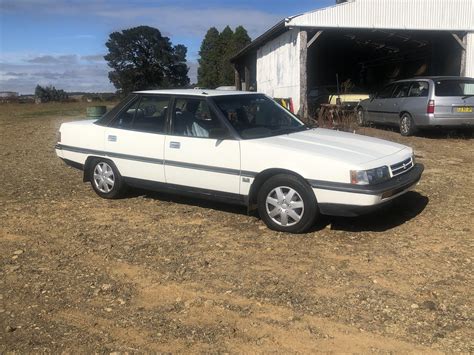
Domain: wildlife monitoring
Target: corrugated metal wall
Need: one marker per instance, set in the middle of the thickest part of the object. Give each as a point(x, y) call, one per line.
point(449, 15)
point(278, 67)
point(470, 55)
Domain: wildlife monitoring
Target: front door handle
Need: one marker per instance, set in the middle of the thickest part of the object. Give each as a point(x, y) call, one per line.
point(112, 138)
point(175, 145)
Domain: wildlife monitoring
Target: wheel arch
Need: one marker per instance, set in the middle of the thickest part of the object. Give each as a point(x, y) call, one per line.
point(87, 173)
point(260, 179)
point(403, 112)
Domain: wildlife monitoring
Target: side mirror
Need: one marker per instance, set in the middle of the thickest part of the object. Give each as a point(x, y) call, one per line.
point(219, 133)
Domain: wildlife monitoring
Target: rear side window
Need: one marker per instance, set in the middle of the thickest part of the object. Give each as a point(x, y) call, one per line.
point(147, 114)
point(401, 90)
point(150, 115)
point(124, 119)
point(386, 92)
point(462, 87)
point(419, 89)
point(193, 118)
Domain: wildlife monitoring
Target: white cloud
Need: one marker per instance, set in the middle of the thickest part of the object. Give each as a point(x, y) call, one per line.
point(67, 71)
point(175, 20)
point(192, 73)
point(90, 72)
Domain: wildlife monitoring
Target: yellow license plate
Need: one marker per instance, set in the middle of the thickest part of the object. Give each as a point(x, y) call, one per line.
point(464, 109)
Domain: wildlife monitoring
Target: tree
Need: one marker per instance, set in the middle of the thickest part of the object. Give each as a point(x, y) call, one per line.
point(208, 73)
point(50, 93)
point(141, 58)
point(226, 71)
point(240, 39)
point(216, 51)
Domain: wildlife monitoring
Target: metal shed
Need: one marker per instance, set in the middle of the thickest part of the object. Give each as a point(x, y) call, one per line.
point(369, 42)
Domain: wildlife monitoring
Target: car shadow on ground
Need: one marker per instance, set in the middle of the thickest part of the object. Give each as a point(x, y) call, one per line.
point(432, 133)
point(400, 211)
point(186, 200)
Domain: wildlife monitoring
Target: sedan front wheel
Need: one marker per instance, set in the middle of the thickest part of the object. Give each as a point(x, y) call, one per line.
point(287, 204)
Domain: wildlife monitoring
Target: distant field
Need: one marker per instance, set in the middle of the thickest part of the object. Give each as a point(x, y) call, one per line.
point(30, 110)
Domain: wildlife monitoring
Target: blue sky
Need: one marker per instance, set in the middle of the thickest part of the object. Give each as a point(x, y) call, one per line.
point(62, 42)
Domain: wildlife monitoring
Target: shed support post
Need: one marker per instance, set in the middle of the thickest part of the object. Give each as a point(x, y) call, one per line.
point(247, 78)
point(462, 71)
point(238, 83)
point(303, 110)
point(462, 41)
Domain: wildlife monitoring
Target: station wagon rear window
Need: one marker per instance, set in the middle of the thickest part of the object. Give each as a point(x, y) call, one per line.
point(456, 87)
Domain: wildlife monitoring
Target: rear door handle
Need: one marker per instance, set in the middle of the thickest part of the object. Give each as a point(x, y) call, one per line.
point(175, 145)
point(112, 138)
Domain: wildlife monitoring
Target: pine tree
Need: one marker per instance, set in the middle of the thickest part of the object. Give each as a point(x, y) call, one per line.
point(208, 73)
point(215, 68)
point(226, 71)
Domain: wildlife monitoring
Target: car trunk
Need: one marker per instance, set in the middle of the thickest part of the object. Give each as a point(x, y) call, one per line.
point(454, 98)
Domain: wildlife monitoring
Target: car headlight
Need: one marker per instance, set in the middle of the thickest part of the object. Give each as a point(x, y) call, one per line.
point(371, 176)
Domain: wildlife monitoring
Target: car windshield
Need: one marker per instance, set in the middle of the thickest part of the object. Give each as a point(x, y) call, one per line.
point(457, 87)
point(257, 116)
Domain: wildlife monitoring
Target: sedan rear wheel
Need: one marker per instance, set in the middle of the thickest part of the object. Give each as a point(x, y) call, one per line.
point(287, 204)
point(106, 179)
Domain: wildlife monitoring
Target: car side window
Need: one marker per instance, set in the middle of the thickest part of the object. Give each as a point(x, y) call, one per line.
point(386, 92)
point(194, 118)
point(419, 89)
point(401, 90)
point(150, 115)
point(124, 119)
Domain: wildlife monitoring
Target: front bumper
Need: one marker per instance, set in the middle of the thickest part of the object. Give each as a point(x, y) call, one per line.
point(349, 200)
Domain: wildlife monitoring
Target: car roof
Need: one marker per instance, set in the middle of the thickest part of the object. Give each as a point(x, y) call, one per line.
point(195, 92)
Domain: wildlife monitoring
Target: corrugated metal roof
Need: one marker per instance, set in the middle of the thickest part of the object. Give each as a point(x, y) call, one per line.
point(440, 15)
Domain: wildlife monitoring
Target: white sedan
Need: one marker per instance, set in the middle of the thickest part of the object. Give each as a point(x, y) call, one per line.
point(237, 147)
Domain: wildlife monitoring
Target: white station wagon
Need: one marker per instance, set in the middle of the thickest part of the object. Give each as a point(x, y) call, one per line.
point(237, 147)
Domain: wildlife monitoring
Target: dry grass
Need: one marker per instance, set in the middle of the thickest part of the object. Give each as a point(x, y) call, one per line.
point(158, 273)
point(334, 117)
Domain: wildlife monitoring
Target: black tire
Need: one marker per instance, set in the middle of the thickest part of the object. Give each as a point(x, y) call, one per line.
point(361, 120)
point(407, 125)
point(303, 194)
point(113, 190)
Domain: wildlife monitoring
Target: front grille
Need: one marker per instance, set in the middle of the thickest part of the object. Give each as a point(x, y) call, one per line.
point(401, 167)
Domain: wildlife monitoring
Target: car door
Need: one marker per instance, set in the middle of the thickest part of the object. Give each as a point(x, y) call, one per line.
point(135, 138)
point(417, 101)
point(199, 153)
point(396, 102)
point(376, 107)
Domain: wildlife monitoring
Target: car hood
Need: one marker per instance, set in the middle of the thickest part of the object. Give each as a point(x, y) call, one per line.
point(342, 146)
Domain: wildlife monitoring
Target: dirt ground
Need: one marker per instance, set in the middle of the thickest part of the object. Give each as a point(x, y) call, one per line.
point(153, 272)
